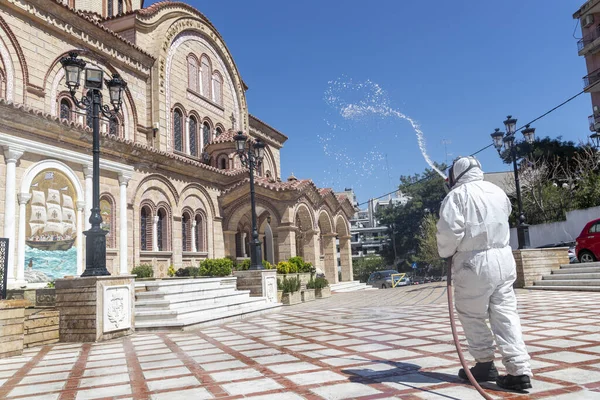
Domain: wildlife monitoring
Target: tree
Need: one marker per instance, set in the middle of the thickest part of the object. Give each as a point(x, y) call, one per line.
point(426, 192)
point(427, 252)
point(364, 266)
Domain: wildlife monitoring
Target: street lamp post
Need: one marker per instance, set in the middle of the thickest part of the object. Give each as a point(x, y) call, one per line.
point(252, 157)
point(95, 264)
point(500, 140)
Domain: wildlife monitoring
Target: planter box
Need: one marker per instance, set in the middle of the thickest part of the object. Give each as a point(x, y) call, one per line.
point(308, 295)
point(304, 278)
point(44, 297)
point(279, 295)
point(290, 299)
point(323, 293)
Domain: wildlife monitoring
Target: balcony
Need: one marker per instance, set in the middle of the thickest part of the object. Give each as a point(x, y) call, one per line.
point(594, 122)
point(590, 80)
point(588, 39)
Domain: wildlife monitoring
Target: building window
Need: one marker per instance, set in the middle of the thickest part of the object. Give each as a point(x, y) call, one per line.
point(120, 6)
point(185, 232)
point(192, 73)
point(193, 137)
point(146, 228)
point(217, 88)
point(178, 129)
point(205, 134)
point(206, 73)
point(200, 234)
point(223, 163)
point(108, 219)
point(218, 131)
point(66, 110)
point(110, 8)
point(162, 230)
point(114, 126)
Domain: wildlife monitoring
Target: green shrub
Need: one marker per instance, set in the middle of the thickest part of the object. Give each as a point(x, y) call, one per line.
point(244, 265)
point(321, 283)
point(181, 272)
point(50, 285)
point(143, 271)
point(301, 266)
point(286, 267)
point(268, 265)
point(171, 271)
point(311, 283)
point(216, 267)
point(289, 285)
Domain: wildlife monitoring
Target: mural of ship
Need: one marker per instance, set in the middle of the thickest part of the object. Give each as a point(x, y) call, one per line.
point(52, 222)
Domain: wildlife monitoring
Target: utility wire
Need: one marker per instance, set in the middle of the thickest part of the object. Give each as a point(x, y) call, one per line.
point(491, 144)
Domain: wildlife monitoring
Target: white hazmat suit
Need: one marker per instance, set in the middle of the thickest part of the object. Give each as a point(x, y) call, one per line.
point(473, 229)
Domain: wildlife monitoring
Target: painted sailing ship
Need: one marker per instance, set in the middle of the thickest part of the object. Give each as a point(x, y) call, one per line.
point(52, 221)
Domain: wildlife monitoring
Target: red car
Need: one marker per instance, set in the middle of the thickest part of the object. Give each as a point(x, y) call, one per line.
point(587, 245)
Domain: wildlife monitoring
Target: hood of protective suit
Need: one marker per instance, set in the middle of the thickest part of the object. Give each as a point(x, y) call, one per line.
point(461, 165)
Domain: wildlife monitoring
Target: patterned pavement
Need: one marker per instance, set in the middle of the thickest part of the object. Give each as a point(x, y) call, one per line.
point(380, 344)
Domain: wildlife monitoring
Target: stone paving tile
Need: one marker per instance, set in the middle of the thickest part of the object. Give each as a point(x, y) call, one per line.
point(343, 347)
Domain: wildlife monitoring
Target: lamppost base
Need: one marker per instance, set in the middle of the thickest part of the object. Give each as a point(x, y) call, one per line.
point(523, 236)
point(95, 252)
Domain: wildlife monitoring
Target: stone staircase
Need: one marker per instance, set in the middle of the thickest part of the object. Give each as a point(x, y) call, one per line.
point(350, 286)
point(572, 277)
point(181, 304)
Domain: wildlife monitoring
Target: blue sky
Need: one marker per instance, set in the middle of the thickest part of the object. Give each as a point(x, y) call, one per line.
point(455, 67)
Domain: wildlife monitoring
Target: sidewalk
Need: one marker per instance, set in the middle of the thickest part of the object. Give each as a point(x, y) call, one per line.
point(382, 344)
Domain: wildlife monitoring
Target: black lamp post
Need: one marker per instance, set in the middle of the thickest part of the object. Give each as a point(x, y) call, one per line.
point(500, 139)
point(95, 246)
point(252, 157)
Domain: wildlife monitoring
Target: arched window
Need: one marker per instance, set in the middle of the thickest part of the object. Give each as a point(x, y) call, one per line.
point(193, 137)
point(200, 234)
point(107, 211)
point(114, 126)
point(120, 7)
point(186, 225)
point(178, 129)
point(205, 134)
point(217, 88)
point(223, 163)
point(66, 109)
point(146, 229)
point(192, 73)
point(218, 131)
point(206, 73)
point(162, 230)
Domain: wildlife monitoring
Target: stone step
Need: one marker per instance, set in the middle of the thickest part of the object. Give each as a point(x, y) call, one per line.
point(181, 285)
point(566, 288)
point(581, 265)
point(187, 294)
point(351, 286)
point(573, 276)
point(206, 320)
point(575, 270)
point(572, 282)
point(191, 312)
point(193, 300)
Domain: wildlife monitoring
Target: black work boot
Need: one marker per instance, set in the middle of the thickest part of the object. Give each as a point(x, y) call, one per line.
point(482, 372)
point(511, 382)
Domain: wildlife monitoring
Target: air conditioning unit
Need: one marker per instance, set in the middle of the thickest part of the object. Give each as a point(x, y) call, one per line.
point(596, 111)
point(588, 20)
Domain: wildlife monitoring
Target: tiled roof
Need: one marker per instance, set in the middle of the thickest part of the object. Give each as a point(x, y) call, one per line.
point(105, 29)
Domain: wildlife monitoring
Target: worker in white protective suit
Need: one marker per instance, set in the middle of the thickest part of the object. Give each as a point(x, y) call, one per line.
point(473, 229)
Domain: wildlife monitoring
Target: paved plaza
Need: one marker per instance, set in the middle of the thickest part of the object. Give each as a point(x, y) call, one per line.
point(382, 344)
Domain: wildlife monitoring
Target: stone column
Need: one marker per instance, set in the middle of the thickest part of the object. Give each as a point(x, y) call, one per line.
point(80, 215)
point(229, 237)
point(286, 242)
point(11, 156)
point(346, 258)
point(89, 194)
point(123, 228)
point(311, 247)
point(329, 262)
point(244, 244)
point(155, 233)
point(187, 136)
point(23, 200)
point(194, 224)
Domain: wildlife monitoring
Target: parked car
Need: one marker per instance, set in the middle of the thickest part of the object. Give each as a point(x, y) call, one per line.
point(381, 279)
point(570, 245)
point(587, 244)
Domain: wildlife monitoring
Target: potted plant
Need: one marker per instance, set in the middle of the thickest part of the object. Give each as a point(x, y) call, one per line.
point(322, 289)
point(308, 294)
point(290, 291)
